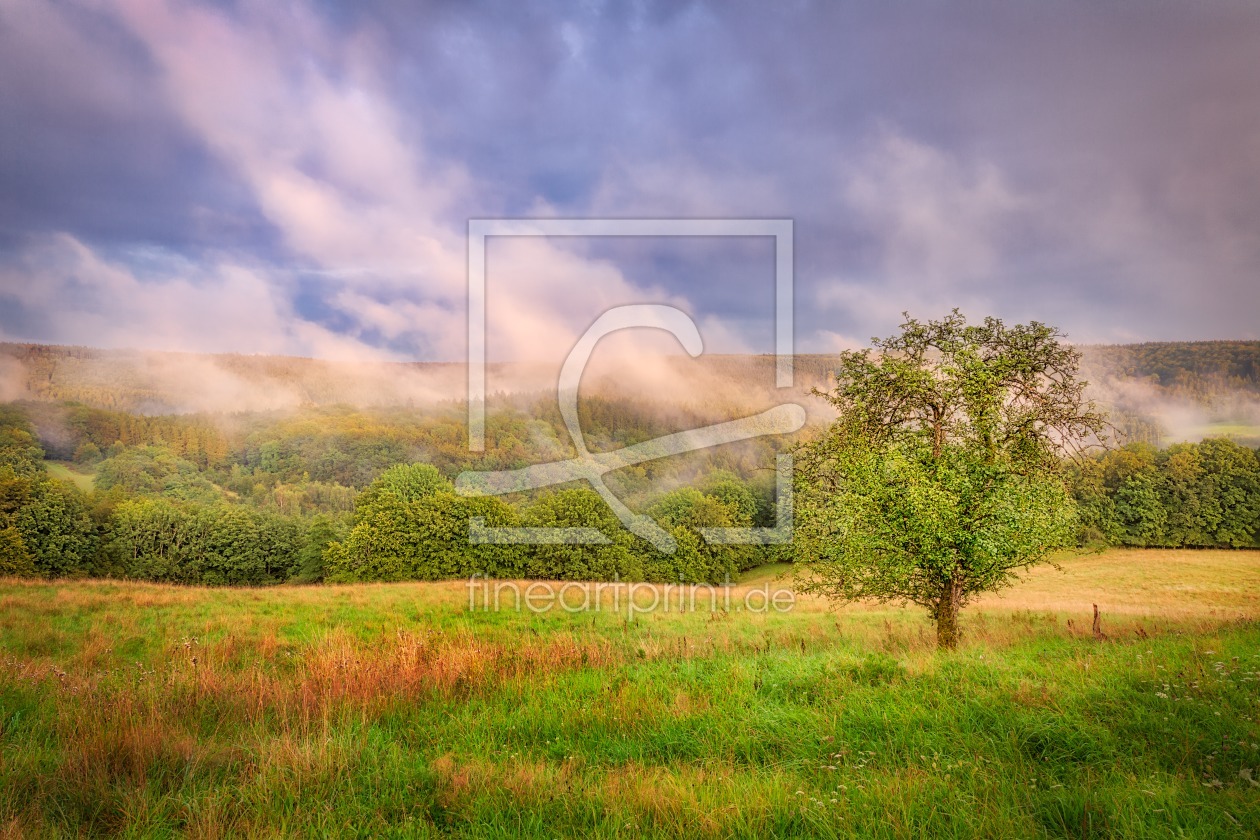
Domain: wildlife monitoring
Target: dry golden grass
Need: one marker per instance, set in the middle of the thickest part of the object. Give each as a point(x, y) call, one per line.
point(1150, 582)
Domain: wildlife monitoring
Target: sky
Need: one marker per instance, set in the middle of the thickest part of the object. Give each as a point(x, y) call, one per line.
point(262, 176)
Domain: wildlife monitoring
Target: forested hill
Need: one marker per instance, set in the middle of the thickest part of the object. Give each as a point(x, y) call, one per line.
point(1159, 392)
point(1156, 391)
point(1195, 367)
point(172, 383)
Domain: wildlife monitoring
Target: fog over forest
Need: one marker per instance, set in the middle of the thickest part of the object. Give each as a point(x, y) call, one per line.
point(1159, 393)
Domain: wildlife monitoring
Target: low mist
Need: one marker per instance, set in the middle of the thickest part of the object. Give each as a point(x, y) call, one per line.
point(711, 386)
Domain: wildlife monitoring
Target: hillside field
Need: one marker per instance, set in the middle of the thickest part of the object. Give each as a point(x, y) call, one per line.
point(145, 710)
point(76, 475)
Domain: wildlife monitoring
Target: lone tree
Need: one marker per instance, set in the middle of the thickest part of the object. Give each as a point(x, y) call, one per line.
point(942, 476)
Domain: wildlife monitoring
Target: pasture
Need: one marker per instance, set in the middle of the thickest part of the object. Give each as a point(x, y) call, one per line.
point(142, 710)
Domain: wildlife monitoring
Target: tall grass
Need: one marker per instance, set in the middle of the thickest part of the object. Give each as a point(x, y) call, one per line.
point(390, 710)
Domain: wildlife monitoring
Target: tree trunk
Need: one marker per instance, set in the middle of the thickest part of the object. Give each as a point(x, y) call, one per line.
point(947, 607)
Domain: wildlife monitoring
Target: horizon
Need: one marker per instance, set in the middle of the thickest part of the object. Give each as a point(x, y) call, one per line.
point(639, 353)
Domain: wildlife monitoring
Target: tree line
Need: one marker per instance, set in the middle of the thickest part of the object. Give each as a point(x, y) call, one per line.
point(156, 516)
point(258, 509)
point(1189, 495)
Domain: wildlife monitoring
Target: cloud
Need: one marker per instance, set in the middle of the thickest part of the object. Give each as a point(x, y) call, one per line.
point(335, 168)
point(300, 113)
point(1091, 166)
point(933, 218)
point(196, 307)
point(317, 141)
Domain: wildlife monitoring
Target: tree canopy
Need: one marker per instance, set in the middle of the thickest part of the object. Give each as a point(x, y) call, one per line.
point(942, 475)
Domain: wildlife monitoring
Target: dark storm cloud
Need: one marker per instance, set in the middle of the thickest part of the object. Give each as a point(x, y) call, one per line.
point(88, 145)
point(1092, 165)
point(1126, 134)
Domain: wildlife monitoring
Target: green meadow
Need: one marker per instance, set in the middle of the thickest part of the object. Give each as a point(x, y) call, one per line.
point(393, 710)
point(77, 475)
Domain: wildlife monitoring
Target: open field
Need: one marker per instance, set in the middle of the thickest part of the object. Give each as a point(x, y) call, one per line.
point(392, 710)
point(1244, 434)
point(84, 480)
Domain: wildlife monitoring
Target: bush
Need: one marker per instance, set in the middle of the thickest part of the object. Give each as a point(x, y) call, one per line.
point(163, 540)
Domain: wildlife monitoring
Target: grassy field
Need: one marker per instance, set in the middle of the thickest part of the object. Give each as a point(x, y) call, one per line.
point(393, 710)
point(76, 475)
point(1244, 434)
